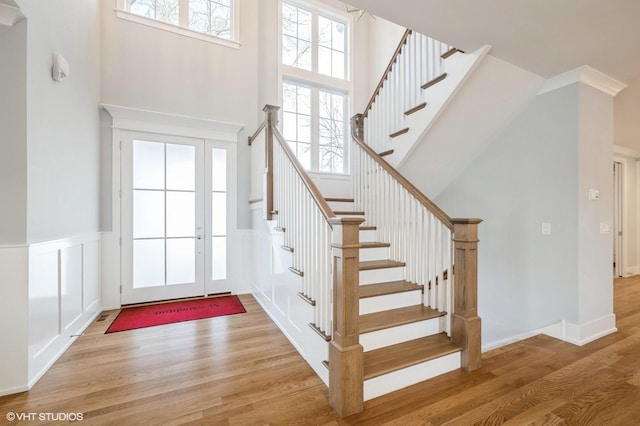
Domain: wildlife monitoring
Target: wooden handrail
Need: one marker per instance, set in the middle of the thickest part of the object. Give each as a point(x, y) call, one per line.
point(257, 132)
point(322, 204)
point(403, 41)
point(356, 131)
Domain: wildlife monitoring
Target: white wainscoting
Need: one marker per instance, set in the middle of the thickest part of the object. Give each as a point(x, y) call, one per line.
point(63, 297)
point(276, 289)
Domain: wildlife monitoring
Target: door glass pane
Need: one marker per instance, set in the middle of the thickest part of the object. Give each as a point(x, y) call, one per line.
point(219, 169)
point(148, 214)
point(181, 261)
point(148, 263)
point(148, 165)
point(181, 167)
point(181, 208)
point(219, 213)
point(219, 258)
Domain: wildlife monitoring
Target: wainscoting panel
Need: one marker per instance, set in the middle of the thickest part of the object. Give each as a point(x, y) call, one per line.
point(64, 289)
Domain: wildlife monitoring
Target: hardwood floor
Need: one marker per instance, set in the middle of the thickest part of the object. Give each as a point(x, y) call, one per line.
point(240, 370)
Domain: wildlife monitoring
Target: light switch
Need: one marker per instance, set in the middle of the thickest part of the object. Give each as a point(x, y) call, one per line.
point(546, 228)
point(594, 194)
point(605, 228)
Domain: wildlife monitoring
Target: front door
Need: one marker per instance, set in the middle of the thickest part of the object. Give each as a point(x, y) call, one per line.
point(163, 218)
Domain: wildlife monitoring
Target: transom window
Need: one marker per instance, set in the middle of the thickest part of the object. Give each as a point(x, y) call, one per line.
point(217, 18)
point(315, 86)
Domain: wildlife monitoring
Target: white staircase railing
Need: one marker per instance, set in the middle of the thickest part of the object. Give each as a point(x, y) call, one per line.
point(420, 233)
point(301, 213)
point(416, 62)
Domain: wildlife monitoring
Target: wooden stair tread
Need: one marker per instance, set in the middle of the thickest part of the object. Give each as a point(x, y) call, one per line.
point(374, 244)
point(367, 228)
point(339, 200)
point(347, 213)
point(394, 317)
point(379, 264)
point(391, 287)
point(385, 153)
point(415, 108)
point(450, 52)
point(395, 357)
point(399, 132)
point(434, 81)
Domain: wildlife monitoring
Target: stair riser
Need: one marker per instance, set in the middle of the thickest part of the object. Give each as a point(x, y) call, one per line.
point(367, 236)
point(390, 301)
point(374, 276)
point(399, 379)
point(402, 333)
point(340, 205)
point(377, 253)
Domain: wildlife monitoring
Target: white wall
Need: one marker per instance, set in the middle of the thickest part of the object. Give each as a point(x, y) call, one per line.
point(13, 134)
point(151, 69)
point(63, 120)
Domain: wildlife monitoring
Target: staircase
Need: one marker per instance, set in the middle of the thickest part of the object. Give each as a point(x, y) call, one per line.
point(371, 275)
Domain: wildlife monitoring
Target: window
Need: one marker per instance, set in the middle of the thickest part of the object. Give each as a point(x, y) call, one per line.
point(195, 18)
point(315, 86)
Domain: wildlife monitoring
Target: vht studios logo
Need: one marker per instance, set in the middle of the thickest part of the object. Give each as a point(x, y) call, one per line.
point(44, 417)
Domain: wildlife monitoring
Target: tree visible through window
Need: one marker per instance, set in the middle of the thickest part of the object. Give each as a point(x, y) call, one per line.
point(213, 17)
point(314, 100)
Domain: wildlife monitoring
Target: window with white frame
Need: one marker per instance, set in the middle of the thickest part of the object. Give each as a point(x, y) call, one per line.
point(315, 85)
point(217, 18)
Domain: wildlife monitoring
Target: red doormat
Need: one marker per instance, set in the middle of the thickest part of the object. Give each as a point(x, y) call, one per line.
point(168, 313)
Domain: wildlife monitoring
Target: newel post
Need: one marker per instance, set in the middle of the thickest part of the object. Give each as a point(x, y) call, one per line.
point(357, 125)
point(465, 328)
point(271, 118)
point(346, 371)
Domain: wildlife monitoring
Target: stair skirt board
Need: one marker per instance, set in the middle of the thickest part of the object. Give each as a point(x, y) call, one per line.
point(373, 276)
point(374, 253)
point(390, 382)
point(390, 301)
point(399, 334)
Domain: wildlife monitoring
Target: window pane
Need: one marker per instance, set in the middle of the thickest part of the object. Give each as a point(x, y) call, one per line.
point(148, 263)
point(220, 20)
point(143, 7)
point(289, 50)
point(148, 214)
point(331, 132)
point(289, 98)
point(218, 169)
point(181, 167)
point(304, 155)
point(199, 15)
point(218, 213)
point(181, 261)
point(324, 60)
point(304, 55)
point(304, 100)
point(289, 126)
point(338, 38)
point(324, 31)
point(296, 37)
point(167, 11)
point(337, 65)
point(304, 128)
point(289, 20)
point(148, 165)
point(181, 207)
point(219, 258)
point(304, 25)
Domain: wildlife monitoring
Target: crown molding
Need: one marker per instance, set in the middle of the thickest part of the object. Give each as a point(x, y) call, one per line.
point(587, 75)
point(10, 15)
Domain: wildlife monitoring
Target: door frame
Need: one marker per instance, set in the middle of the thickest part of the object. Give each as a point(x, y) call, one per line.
point(117, 119)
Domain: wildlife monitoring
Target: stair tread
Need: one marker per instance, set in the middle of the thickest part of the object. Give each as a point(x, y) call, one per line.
point(395, 357)
point(347, 213)
point(367, 228)
point(385, 153)
point(391, 287)
point(379, 264)
point(434, 81)
point(415, 108)
point(399, 132)
point(374, 244)
point(394, 317)
point(339, 200)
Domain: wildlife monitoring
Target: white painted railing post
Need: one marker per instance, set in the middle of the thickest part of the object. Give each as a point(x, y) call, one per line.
point(271, 117)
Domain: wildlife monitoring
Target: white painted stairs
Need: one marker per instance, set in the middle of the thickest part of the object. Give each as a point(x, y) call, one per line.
point(402, 339)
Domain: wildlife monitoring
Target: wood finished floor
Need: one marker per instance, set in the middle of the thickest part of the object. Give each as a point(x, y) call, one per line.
point(240, 370)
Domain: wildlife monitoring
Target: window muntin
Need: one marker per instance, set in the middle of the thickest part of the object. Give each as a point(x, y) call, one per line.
point(210, 17)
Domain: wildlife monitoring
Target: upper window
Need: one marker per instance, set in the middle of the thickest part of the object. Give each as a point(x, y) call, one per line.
point(315, 86)
point(217, 18)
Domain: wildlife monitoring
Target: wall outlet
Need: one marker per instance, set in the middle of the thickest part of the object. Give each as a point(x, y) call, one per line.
point(546, 228)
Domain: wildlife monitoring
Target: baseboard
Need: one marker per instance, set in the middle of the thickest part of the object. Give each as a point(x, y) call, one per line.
point(581, 334)
point(11, 391)
point(632, 270)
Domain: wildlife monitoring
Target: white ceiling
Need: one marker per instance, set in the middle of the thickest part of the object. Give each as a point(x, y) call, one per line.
point(547, 37)
point(9, 3)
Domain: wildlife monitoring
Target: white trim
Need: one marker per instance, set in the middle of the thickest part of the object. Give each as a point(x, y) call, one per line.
point(581, 334)
point(61, 243)
point(140, 120)
point(164, 26)
point(10, 15)
point(587, 75)
point(627, 152)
